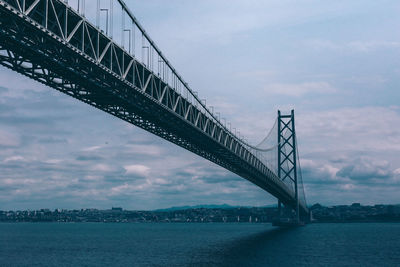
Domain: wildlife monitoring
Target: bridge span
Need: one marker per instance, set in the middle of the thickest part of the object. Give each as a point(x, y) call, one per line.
point(98, 53)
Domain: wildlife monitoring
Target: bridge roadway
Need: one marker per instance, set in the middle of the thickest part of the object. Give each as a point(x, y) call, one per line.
point(50, 42)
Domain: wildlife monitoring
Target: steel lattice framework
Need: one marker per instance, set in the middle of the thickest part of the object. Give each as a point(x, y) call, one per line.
point(54, 44)
point(288, 158)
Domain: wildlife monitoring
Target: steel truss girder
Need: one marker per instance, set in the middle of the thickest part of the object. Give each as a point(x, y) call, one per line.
point(90, 67)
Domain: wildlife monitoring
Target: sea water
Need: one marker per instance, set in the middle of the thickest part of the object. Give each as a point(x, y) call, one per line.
point(196, 244)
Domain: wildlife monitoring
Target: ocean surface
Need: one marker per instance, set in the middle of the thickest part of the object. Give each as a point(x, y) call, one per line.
point(214, 244)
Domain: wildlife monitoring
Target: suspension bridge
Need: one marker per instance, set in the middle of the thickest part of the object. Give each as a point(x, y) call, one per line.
point(98, 53)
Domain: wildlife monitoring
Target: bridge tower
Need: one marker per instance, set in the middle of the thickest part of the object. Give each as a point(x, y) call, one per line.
point(287, 160)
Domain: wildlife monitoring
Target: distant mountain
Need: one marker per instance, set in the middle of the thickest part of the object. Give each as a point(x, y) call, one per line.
point(210, 206)
point(223, 206)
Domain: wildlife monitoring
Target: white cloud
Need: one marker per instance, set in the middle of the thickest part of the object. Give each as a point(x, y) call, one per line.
point(92, 148)
point(101, 167)
point(137, 169)
point(347, 186)
point(157, 181)
point(13, 158)
point(53, 161)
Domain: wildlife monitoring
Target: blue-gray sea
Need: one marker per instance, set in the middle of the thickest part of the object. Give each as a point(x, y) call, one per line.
point(216, 244)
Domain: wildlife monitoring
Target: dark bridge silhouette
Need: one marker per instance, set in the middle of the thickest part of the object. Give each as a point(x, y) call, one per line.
point(102, 56)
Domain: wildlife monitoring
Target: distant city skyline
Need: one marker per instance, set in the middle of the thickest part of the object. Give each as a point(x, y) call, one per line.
point(218, 214)
point(336, 63)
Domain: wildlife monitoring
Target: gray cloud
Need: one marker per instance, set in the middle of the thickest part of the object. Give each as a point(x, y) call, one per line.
point(365, 169)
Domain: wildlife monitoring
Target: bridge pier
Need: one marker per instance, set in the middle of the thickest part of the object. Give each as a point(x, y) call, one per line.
point(288, 217)
point(279, 208)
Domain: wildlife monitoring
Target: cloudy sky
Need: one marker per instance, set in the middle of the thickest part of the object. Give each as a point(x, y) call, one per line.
point(337, 63)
